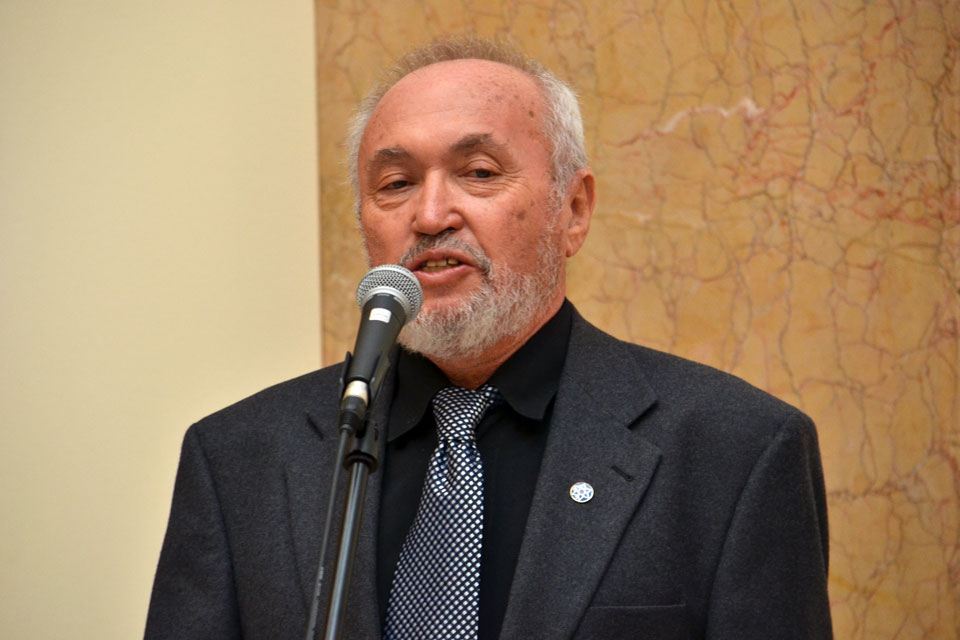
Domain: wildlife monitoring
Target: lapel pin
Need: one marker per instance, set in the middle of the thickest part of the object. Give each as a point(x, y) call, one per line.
point(581, 492)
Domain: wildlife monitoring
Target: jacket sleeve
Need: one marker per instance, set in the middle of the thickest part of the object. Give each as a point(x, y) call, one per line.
point(771, 580)
point(193, 592)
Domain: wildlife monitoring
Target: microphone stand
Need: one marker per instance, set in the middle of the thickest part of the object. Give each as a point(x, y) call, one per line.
point(359, 448)
point(388, 295)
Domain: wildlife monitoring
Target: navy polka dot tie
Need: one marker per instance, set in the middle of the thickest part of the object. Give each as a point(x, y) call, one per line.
point(436, 587)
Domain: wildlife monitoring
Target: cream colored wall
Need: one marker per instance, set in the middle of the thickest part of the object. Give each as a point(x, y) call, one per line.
point(158, 260)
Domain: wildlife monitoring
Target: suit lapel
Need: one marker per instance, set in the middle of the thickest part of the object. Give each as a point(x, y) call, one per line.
point(567, 545)
point(307, 479)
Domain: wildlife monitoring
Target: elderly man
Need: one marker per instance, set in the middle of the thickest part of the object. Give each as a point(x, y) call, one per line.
point(540, 479)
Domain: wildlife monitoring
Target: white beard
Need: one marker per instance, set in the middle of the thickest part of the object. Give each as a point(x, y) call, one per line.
point(504, 305)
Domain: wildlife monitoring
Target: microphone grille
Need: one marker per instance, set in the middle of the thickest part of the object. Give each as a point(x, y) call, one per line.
point(395, 280)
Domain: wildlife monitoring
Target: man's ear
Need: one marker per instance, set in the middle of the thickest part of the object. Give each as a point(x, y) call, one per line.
point(582, 197)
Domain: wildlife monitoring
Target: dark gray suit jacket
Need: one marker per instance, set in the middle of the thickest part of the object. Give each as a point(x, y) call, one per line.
point(708, 521)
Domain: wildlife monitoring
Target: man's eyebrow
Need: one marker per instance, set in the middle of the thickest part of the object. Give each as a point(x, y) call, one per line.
point(386, 156)
point(473, 141)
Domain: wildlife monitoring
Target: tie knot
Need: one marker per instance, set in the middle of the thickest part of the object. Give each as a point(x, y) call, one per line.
point(458, 410)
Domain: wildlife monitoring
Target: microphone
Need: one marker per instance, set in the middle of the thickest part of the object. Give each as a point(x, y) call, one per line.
point(389, 296)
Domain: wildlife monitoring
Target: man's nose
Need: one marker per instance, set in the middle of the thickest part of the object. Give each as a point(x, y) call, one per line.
point(438, 208)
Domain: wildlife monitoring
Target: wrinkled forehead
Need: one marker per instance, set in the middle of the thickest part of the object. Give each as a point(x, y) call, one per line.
point(462, 87)
point(476, 78)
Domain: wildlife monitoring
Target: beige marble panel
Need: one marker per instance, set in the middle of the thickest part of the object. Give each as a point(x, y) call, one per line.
point(778, 198)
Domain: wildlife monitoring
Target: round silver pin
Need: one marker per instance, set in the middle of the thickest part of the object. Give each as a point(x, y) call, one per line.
point(581, 492)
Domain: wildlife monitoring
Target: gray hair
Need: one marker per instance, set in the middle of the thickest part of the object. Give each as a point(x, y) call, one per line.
point(563, 124)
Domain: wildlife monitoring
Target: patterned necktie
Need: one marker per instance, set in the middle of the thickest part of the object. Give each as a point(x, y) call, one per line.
point(436, 587)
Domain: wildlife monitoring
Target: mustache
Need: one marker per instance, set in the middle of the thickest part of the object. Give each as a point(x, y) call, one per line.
point(446, 240)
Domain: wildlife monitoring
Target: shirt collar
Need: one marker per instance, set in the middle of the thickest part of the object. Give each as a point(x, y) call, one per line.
point(528, 380)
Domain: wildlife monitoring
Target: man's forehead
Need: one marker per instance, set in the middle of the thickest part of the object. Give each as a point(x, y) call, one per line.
point(453, 108)
point(480, 74)
point(481, 84)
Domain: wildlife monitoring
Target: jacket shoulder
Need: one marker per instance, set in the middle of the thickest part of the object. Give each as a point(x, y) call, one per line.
point(690, 393)
point(280, 409)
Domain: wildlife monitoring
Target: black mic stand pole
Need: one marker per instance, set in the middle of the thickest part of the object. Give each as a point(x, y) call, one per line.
point(361, 459)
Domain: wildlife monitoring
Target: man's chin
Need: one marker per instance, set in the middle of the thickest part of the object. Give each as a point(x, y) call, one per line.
point(443, 310)
point(456, 298)
point(477, 322)
point(441, 333)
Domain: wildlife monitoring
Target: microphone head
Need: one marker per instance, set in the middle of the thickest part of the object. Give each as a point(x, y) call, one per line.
point(396, 281)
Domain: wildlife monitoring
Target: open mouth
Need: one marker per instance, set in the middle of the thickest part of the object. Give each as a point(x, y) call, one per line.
point(431, 266)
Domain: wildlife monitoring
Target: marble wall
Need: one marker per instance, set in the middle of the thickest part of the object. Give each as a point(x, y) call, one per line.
point(778, 198)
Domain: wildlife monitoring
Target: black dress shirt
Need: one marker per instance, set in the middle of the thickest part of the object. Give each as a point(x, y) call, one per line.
point(511, 438)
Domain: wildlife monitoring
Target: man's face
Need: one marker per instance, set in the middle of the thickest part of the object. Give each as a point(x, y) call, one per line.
point(454, 167)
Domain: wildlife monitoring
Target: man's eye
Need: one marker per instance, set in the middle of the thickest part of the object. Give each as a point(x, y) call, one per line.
point(483, 174)
point(396, 185)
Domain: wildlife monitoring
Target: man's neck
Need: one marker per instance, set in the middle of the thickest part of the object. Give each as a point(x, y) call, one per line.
point(471, 371)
